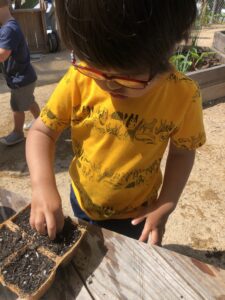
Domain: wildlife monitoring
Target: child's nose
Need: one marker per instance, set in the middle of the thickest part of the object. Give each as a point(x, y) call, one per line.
point(112, 85)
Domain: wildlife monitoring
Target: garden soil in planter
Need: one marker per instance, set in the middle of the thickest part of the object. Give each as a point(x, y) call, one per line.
point(63, 241)
point(28, 260)
point(9, 242)
point(28, 271)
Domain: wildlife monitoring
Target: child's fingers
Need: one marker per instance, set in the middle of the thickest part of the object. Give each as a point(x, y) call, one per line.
point(145, 232)
point(138, 220)
point(32, 219)
point(40, 223)
point(51, 226)
point(155, 237)
point(60, 221)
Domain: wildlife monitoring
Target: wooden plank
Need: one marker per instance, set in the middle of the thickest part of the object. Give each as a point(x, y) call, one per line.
point(210, 76)
point(5, 294)
point(35, 33)
point(122, 268)
point(67, 285)
point(213, 92)
point(10, 203)
point(219, 41)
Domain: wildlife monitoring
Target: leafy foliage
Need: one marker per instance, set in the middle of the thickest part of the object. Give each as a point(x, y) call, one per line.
point(186, 60)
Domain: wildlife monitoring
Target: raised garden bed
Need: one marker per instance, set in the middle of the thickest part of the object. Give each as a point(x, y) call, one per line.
point(28, 260)
point(208, 70)
point(211, 80)
point(219, 41)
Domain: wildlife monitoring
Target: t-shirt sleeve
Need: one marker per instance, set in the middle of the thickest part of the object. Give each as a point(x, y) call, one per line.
point(9, 38)
point(56, 114)
point(190, 134)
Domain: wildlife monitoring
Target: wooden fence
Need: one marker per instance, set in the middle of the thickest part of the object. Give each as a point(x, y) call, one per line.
point(32, 22)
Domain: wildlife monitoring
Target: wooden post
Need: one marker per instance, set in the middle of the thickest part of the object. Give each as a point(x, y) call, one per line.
point(213, 11)
point(57, 28)
point(43, 5)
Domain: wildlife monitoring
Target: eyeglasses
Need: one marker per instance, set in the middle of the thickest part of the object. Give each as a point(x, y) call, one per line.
point(96, 74)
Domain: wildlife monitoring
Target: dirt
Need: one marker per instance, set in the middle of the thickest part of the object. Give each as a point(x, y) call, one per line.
point(21, 262)
point(28, 271)
point(63, 241)
point(196, 227)
point(9, 242)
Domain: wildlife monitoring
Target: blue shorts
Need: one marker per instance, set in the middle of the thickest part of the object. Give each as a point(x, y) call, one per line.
point(123, 226)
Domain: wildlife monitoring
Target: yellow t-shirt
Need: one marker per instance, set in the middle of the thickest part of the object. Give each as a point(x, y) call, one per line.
point(119, 143)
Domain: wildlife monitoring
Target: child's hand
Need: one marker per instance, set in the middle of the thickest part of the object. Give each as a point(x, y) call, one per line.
point(155, 222)
point(46, 212)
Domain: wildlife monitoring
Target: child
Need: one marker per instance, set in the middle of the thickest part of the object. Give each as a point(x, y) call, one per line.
point(18, 72)
point(124, 103)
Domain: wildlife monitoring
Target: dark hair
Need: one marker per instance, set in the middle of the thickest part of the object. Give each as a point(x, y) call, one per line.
point(4, 3)
point(125, 34)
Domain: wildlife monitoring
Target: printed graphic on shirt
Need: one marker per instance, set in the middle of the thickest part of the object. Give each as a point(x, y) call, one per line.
point(191, 143)
point(51, 120)
point(93, 172)
point(123, 125)
point(105, 212)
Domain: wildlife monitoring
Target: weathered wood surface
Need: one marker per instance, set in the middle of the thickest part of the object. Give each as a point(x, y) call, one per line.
point(108, 265)
point(211, 82)
point(33, 25)
point(219, 41)
point(127, 269)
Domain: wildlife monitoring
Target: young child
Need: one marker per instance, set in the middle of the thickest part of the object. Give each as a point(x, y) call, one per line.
point(18, 72)
point(124, 103)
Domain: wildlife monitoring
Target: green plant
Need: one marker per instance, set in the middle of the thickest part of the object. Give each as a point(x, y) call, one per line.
point(191, 59)
point(181, 62)
point(29, 4)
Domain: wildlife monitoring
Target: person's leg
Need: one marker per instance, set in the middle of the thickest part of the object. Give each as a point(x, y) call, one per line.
point(35, 110)
point(22, 99)
point(19, 117)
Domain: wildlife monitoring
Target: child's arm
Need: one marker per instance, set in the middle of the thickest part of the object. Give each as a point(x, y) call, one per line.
point(178, 168)
point(46, 209)
point(4, 54)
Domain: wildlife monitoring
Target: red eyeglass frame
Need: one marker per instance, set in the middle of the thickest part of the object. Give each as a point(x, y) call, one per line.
point(107, 77)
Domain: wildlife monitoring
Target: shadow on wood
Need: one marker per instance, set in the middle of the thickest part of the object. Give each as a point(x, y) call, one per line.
point(10, 203)
point(213, 257)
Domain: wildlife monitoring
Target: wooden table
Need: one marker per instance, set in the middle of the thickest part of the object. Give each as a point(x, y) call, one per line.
point(111, 266)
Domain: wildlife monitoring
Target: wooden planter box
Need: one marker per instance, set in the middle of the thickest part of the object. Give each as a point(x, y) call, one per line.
point(33, 25)
point(211, 81)
point(219, 41)
point(27, 252)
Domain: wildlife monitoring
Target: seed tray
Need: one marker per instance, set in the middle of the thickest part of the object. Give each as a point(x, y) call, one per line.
point(28, 260)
